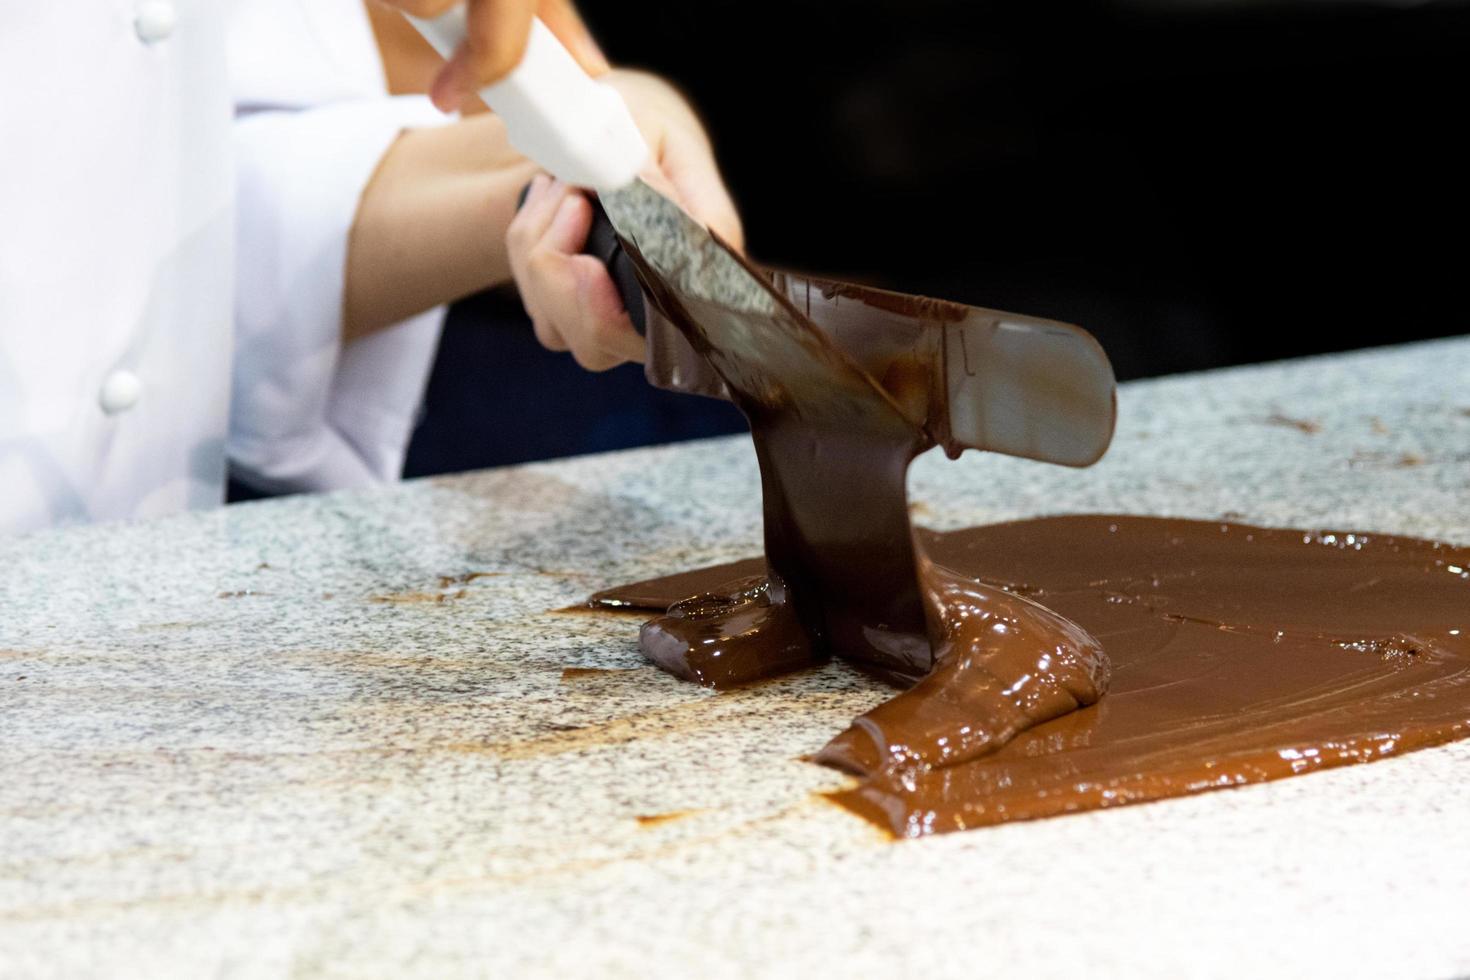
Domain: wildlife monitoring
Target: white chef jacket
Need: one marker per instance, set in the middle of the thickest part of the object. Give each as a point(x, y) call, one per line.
point(130, 365)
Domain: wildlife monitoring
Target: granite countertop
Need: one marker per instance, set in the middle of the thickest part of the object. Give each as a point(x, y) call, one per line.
point(298, 736)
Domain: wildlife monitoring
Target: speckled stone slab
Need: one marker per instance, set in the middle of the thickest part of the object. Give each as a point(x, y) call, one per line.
point(337, 735)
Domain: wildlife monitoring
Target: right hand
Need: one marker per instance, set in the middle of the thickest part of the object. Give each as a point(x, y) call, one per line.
point(570, 297)
point(572, 301)
point(496, 36)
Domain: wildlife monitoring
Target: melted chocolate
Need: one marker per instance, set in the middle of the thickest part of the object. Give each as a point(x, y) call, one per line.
point(834, 446)
point(1233, 654)
point(1238, 655)
point(843, 386)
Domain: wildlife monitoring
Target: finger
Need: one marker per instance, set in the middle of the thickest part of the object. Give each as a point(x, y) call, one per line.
point(578, 307)
point(605, 321)
point(594, 359)
point(551, 286)
point(547, 335)
point(453, 83)
point(685, 171)
point(528, 227)
point(547, 279)
point(496, 32)
point(567, 231)
point(524, 233)
point(532, 254)
point(691, 169)
point(554, 287)
point(564, 21)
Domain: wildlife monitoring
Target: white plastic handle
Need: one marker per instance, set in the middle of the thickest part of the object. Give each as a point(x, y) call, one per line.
point(577, 128)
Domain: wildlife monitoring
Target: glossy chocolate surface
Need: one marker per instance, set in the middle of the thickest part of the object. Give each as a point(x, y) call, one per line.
point(1237, 655)
point(1052, 665)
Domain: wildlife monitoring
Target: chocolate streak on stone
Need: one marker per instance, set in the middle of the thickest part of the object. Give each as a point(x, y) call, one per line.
point(661, 593)
point(1304, 426)
point(1239, 655)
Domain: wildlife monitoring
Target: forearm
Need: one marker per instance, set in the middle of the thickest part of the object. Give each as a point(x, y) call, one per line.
point(431, 224)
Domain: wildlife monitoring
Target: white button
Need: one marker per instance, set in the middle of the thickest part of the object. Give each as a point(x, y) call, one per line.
point(155, 20)
point(120, 391)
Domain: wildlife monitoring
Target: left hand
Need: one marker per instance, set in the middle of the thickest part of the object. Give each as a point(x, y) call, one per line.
point(570, 297)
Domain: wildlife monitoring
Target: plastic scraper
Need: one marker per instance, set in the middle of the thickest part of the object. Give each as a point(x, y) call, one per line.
point(844, 357)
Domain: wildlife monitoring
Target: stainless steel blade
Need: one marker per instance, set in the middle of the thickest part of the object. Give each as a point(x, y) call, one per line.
point(974, 378)
point(971, 377)
point(734, 320)
point(682, 250)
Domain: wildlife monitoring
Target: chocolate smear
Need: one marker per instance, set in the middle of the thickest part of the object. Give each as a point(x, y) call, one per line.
point(1047, 666)
point(1238, 655)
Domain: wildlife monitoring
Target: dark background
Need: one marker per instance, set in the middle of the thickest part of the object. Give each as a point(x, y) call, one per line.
point(1197, 184)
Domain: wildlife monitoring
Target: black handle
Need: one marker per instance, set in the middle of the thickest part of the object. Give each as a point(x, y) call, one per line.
point(602, 242)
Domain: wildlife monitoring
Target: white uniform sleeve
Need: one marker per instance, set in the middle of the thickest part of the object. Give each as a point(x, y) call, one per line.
point(307, 413)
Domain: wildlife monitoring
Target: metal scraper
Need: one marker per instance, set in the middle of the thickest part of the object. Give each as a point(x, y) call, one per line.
point(975, 378)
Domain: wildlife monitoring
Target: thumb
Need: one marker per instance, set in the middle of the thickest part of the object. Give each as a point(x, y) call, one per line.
point(567, 232)
point(563, 20)
point(691, 169)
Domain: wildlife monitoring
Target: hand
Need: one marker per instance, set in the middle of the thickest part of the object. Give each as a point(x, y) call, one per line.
point(570, 297)
point(496, 35)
